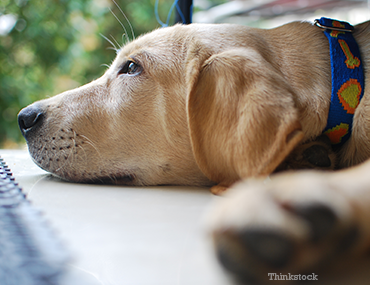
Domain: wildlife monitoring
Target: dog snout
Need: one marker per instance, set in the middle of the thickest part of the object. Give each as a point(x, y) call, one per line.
point(30, 119)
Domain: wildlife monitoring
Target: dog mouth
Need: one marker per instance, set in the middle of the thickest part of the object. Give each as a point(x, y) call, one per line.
point(74, 158)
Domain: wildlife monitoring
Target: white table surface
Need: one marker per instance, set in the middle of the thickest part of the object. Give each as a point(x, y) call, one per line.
point(124, 235)
point(136, 235)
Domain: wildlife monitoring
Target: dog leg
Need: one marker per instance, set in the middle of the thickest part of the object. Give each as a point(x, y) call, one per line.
point(296, 223)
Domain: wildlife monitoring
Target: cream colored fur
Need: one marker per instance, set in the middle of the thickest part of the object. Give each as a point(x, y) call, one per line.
point(211, 105)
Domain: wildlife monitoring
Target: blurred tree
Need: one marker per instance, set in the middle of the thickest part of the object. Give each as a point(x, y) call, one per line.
point(56, 45)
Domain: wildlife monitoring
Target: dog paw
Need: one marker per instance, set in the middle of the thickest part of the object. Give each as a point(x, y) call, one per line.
point(317, 154)
point(294, 224)
point(218, 189)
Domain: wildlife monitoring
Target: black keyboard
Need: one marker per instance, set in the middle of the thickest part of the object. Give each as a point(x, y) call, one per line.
point(30, 253)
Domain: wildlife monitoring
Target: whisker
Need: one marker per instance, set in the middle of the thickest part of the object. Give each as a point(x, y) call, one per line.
point(42, 149)
point(63, 175)
point(90, 142)
point(71, 152)
point(62, 166)
point(75, 137)
point(113, 178)
point(106, 65)
point(109, 41)
point(93, 146)
point(122, 38)
point(119, 46)
point(84, 152)
point(124, 28)
point(124, 15)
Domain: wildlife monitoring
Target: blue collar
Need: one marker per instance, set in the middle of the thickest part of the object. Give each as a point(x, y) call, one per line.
point(347, 79)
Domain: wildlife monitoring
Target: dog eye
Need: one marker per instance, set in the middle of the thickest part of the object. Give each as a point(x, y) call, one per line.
point(130, 68)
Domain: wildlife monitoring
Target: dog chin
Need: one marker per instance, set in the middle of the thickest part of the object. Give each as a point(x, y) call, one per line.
point(127, 179)
point(86, 178)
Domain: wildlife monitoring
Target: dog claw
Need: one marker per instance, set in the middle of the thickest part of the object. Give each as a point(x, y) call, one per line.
point(272, 248)
point(248, 254)
point(239, 269)
point(321, 219)
point(348, 239)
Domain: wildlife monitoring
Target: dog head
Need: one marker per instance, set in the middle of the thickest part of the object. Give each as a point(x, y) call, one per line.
point(177, 106)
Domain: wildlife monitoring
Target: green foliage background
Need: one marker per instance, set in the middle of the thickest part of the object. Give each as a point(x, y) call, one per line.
point(56, 45)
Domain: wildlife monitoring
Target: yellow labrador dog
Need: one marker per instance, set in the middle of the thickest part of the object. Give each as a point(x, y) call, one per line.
point(212, 105)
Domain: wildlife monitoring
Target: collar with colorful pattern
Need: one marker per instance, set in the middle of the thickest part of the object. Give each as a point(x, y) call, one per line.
point(347, 79)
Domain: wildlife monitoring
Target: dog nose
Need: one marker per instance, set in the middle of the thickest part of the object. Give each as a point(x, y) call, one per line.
point(30, 119)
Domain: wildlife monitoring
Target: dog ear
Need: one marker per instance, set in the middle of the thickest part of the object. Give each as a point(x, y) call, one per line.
point(242, 117)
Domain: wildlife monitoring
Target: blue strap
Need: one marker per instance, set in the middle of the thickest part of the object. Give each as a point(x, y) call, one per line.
point(347, 79)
